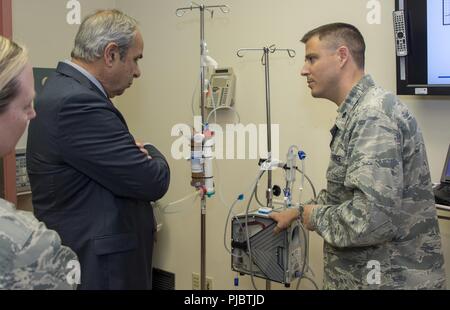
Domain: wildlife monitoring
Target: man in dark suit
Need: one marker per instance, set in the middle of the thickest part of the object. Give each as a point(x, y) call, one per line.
point(91, 181)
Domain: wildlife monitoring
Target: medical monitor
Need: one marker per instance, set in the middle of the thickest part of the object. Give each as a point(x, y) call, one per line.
point(423, 66)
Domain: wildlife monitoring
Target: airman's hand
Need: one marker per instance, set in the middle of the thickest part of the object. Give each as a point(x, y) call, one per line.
point(284, 218)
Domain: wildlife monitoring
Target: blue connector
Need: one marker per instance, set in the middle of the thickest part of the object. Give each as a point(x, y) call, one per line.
point(264, 211)
point(287, 192)
point(236, 281)
point(241, 197)
point(301, 155)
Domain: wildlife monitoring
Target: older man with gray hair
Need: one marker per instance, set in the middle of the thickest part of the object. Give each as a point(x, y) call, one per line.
point(91, 181)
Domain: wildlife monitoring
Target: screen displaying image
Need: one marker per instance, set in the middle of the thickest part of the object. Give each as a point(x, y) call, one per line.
point(438, 31)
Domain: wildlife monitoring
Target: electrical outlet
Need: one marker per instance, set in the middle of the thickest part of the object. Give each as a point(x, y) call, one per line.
point(195, 281)
point(209, 283)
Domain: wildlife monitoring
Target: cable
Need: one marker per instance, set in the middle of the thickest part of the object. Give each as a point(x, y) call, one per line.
point(216, 108)
point(193, 100)
point(276, 202)
point(305, 256)
point(302, 182)
point(309, 181)
point(226, 226)
point(261, 172)
point(193, 95)
point(211, 94)
point(230, 211)
point(256, 197)
point(305, 261)
point(223, 108)
point(240, 197)
point(248, 236)
point(312, 281)
point(196, 194)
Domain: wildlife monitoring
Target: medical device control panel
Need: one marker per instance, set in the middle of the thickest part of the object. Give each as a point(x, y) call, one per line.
point(223, 84)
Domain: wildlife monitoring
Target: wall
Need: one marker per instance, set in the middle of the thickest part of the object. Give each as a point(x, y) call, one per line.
point(42, 27)
point(161, 98)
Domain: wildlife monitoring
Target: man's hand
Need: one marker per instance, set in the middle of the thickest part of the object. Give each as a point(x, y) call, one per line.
point(284, 219)
point(142, 149)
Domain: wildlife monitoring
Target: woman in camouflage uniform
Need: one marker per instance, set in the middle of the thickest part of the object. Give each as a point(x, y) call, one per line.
point(31, 256)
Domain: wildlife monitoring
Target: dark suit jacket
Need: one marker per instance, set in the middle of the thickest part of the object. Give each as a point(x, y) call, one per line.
point(92, 184)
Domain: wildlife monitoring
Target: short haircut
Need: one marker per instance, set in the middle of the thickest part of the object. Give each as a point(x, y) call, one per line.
point(13, 59)
point(339, 34)
point(101, 28)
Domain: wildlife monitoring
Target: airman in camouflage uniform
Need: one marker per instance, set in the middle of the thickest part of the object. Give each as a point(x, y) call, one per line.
point(31, 256)
point(380, 204)
point(379, 221)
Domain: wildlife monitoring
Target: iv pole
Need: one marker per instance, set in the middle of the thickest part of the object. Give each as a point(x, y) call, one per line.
point(180, 12)
point(265, 62)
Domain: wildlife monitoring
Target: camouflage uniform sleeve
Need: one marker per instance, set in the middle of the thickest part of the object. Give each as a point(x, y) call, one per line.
point(374, 176)
point(31, 256)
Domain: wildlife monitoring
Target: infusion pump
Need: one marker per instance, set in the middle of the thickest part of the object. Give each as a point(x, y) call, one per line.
point(222, 88)
point(275, 257)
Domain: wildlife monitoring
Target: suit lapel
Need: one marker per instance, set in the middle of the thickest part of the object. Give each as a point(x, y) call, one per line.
point(71, 72)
